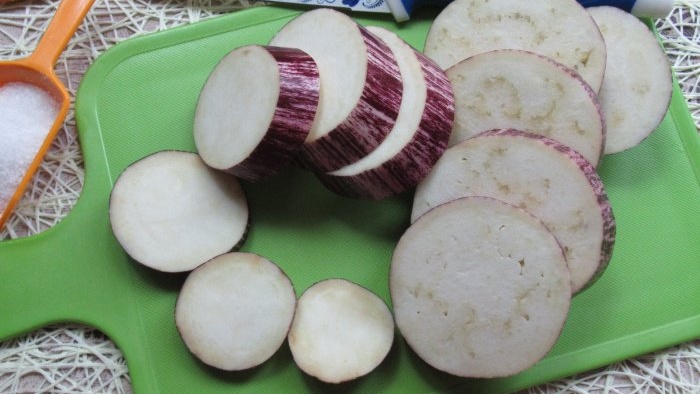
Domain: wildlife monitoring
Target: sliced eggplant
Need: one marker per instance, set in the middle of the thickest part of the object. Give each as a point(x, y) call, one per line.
point(418, 138)
point(559, 29)
point(480, 288)
point(545, 177)
point(234, 311)
point(637, 86)
point(171, 212)
point(522, 90)
point(255, 110)
point(341, 331)
point(361, 87)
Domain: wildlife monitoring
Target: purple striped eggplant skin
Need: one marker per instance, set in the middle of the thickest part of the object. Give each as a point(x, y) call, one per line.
point(427, 124)
point(296, 108)
point(545, 177)
point(361, 87)
point(596, 183)
point(256, 141)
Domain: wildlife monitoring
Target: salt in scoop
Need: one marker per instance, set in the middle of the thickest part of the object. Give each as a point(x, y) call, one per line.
point(30, 93)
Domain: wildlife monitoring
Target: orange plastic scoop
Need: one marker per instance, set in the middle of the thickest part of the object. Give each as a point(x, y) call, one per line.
point(37, 70)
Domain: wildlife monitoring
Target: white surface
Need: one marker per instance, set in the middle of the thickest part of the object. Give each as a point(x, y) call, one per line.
point(652, 8)
point(398, 10)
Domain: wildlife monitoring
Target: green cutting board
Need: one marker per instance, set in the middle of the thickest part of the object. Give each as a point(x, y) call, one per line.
point(139, 97)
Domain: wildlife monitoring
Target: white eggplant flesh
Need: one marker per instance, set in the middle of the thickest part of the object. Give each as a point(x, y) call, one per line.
point(255, 110)
point(234, 311)
point(171, 212)
point(638, 82)
point(418, 138)
point(559, 29)
point(341, 331)
point(480, 288)
point(522, 90)
point(545, 177)
point(361, 87)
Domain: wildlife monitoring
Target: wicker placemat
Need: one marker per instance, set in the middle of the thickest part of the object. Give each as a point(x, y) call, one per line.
point(80, 359)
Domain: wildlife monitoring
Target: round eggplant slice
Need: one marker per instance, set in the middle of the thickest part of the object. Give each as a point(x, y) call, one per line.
point(545, 177)
point(514, 89)
point(234, 311)
point(638, 83)
point(559, 29)
point(171, 212)
point(480, 288)
point(341, 331)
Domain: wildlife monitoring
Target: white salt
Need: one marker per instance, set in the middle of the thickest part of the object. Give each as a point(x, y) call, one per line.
point(26, 116)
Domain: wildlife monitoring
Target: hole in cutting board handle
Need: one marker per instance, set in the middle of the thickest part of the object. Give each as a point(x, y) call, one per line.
point(72, 357)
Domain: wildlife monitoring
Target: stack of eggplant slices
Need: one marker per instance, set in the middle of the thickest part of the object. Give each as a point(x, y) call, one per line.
point(496, 127)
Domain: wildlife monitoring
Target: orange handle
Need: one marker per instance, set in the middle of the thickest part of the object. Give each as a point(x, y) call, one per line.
point(63, 25)
point(61, 28)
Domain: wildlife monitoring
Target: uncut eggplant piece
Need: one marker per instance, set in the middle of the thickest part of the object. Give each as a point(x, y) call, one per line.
point(638, 82)
point(171, 212)
point(545, 177)
point(522, 90)
point(255, 110)
point(559, 29)
point(361, 87)
point(418, 138)
point(234, 311)
point(480, 288)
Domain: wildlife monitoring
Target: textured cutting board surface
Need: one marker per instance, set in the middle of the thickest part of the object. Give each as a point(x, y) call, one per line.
point(139, 98)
